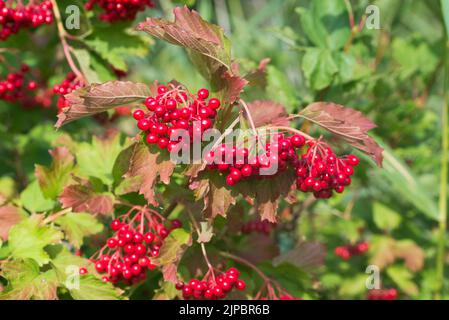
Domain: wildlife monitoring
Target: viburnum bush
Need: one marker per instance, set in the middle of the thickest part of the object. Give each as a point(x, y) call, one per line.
point(212, 177)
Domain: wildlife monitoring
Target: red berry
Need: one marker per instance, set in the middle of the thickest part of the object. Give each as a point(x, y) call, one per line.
point(240, 285)
point(203, 94)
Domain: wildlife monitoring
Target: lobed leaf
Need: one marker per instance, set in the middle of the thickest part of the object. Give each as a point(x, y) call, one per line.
point(96, 98)
point(150, 166)
point(28, 238)
point(53, 179)
point(9, 216)
point(266, 112)
point(307, 256)
point(83, 198)
point(348, 124)
point(190, 31)
point(171, 253)
point(76, 226)
point(26, 282)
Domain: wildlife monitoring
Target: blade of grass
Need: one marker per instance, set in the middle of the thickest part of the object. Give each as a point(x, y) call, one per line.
point(442, 217)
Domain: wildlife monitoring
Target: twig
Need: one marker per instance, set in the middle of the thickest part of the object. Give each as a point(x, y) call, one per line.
point(66, 47)
point(305, 135)
point(247, 263)
point(203, 247)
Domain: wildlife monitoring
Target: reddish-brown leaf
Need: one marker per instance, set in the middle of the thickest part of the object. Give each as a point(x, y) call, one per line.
point(171, 253)
point(97, 98)
point(216, 195)
point(151, 166)
point(231, 87)
point(267, 112)
point(258, 77)
point(83, 198)
point(190, 31)
point(53, 179)
point(307, 256)
point(349, 124)
point(258, 247)
point(267, 193)
point(9, 216)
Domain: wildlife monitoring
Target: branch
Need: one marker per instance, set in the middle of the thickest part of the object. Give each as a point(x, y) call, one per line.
point(66, 47)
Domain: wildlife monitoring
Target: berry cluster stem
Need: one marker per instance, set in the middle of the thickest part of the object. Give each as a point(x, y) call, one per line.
point(203, 247)
point(65, 46)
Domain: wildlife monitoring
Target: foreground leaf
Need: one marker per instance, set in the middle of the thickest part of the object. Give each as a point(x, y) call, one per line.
point(266, 112)
point(83, 198)
point(9, 216)
point(53, 179)
point(217, 197)
point(32, 199)
point(190, 31)
point(26, 282)
point(96, 159)
point(28, 239)
point(171, 253)
point(97, 98)
point(149, 166)
point(92, 288)
point(348, 124)
point(76, 226)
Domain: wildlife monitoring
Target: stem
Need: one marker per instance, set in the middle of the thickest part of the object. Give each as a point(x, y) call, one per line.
point(247, 263)
point(203, 247)
point(65, 46)
point(442, 217)
point(56, 215)
point(305, 135)
point(249, 116)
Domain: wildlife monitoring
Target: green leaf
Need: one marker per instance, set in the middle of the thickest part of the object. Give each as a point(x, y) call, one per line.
point(83, 58)
point(92, 288)
point(385, 218)
point(76, 226)
point(28, 239)
point(404, 183)
point(32, 199)
point(355, 285)
point(280, 88)
point(25, 281)
point(326, 23)
point(53, 179)
point(96, 159)
point(291, 278)
point(113, 44)
point(414, 55)
point(403, 278)
point(445, 11)
point(319, 68)
point(171, 253)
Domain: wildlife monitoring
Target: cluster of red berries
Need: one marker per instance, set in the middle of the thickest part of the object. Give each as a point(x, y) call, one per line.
point(239, 165)
point(264, 227)
point(12, 20)
point(127, 255)
point(346, 252)
point(165, 118)
point(69, 84)
point(118, 10)
point(382, 294)
point(15, 87)
point(320, 171)
point(210, 288)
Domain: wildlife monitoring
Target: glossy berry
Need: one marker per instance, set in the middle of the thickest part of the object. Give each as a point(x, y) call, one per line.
point(119, 10)
point(203, 94)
